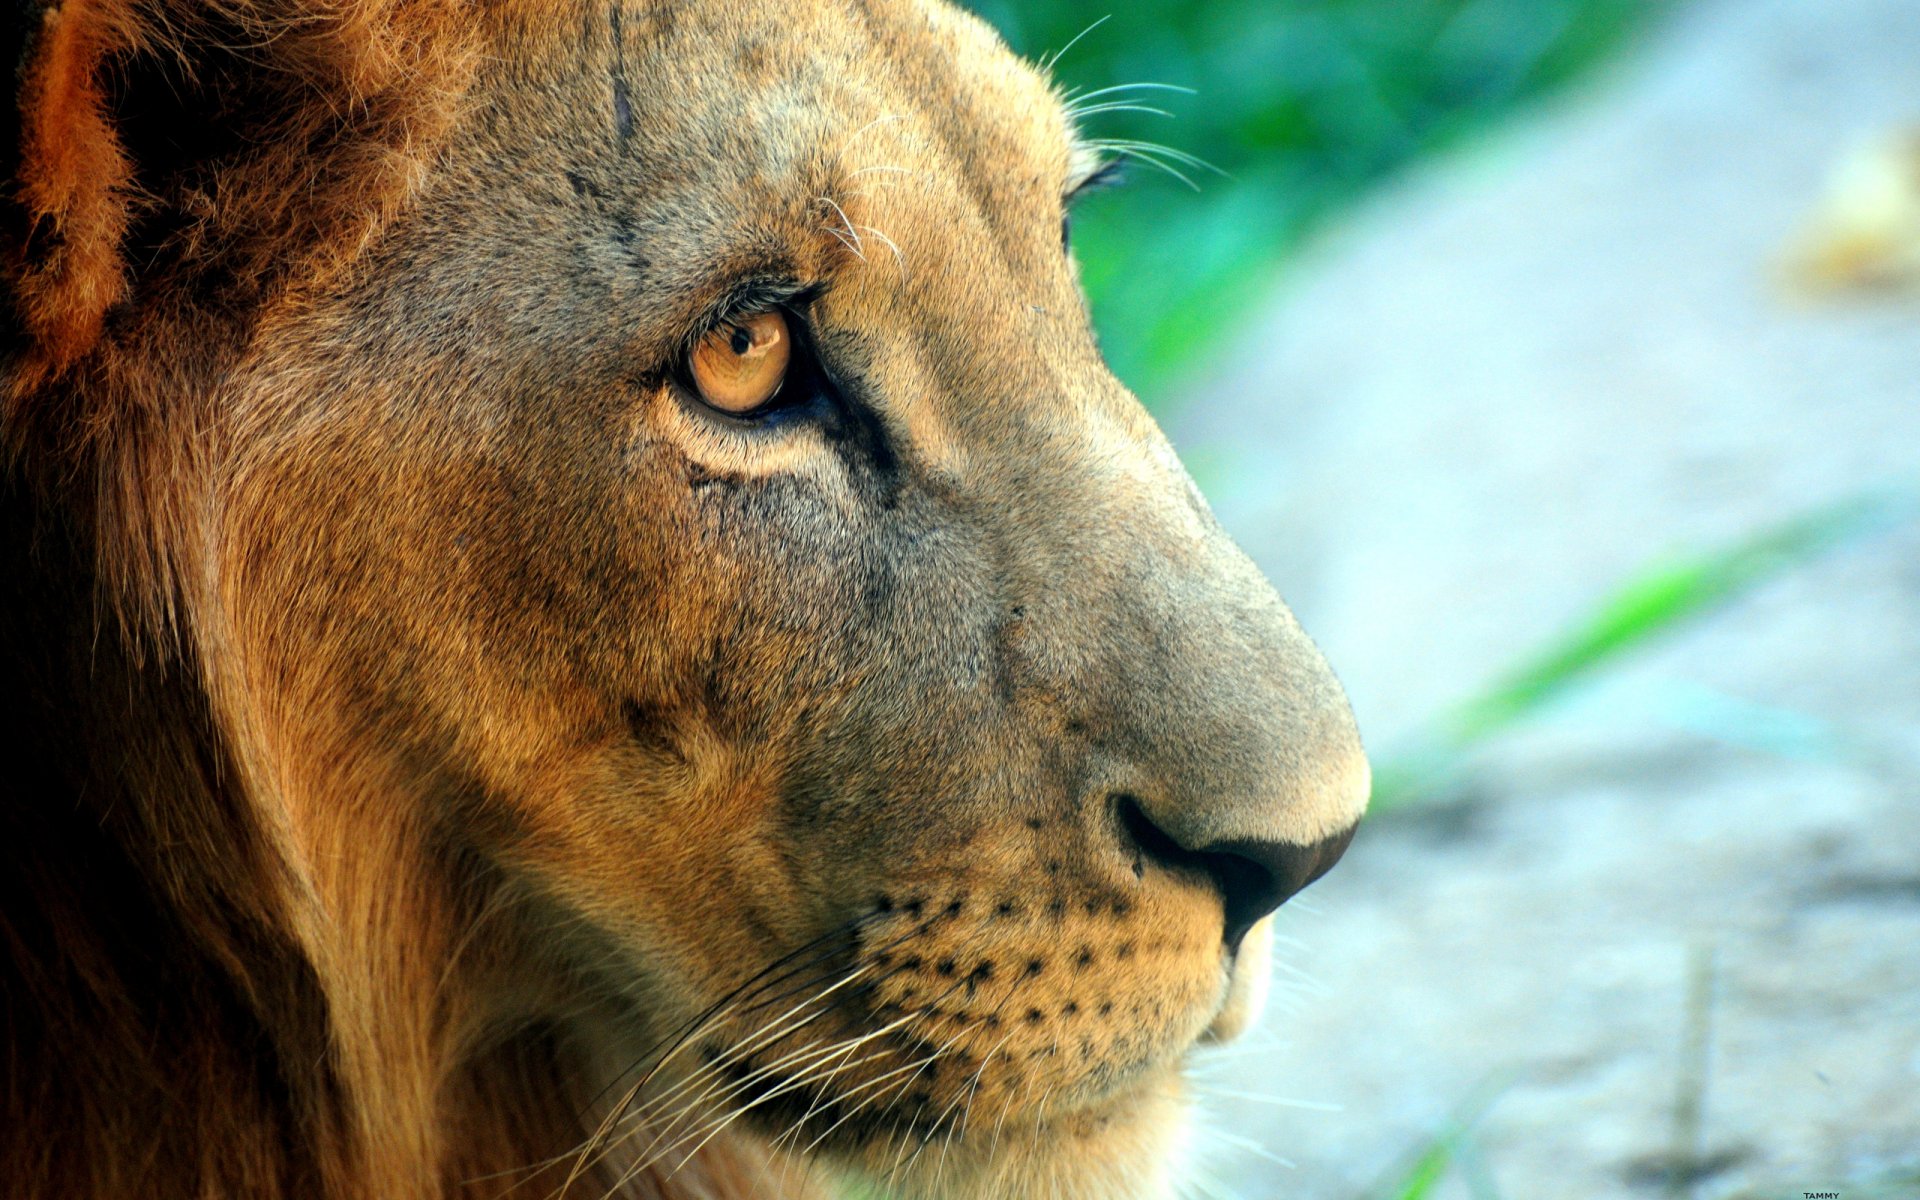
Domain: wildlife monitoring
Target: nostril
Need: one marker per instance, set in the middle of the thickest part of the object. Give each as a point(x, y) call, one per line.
point(1253, 877)
point(1265, 875)
point(1250, 891)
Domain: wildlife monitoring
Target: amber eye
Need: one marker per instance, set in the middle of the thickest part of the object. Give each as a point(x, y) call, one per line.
point(739, 366)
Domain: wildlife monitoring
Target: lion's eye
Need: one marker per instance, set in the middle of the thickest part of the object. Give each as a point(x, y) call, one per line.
point(740, 366)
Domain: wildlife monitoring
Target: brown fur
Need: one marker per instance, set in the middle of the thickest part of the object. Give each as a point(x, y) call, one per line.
point(452, 761)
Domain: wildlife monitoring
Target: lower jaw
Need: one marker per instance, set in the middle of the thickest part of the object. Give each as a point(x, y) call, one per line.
point(1131, 1149)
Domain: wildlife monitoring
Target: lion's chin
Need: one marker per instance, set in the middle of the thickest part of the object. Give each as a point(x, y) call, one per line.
point(1130, 1149)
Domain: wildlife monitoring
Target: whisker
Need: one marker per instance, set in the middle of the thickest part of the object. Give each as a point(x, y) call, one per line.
point(681, 1035)
point(799, 1081)
point(791, 1085)
point(714, 1127)
point(855, 1043)
point(1050, 61)
point(923, 1064)
point(639, 1121)
point(1135, 146)
point(1252, 1147)
point(899, 259)
point(1163, 158)
point(1276, 1101)
point(781, 969)
point(731, 1003)
point(879, 120)
point(772, 984)
point(932, 1129)
point(851, 245)
point(855, 245)
point(972, 1093)
point(1078, 97)
point(1207, 1187)
point(993, 1146)
point(793, 1129)
point(742, 1052)
point(817, 1054)
point(1118, 106)
point(713, 1073)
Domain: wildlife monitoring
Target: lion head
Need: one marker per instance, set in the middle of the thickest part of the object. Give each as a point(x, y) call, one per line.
point(597, 621)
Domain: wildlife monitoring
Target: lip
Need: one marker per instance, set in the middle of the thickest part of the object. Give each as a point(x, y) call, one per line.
point(1247, 983)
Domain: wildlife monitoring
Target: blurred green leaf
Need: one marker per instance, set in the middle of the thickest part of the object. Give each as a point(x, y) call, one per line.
point(1431, 1162)
point(1644, 609)
point(1428, 1170)
point(1303, 104)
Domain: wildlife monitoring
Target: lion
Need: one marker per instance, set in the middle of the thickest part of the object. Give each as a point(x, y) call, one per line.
point(586, 619)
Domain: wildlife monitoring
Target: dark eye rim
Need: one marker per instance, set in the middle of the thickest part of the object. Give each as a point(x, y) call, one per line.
point(1109, 175)
point(805, 383)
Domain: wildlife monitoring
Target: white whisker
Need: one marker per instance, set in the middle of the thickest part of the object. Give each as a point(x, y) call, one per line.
point(854, 245)
point(1050, 61)
point(1252, 1147)
point(879, 120)
point(1075, 99)
point(1276, 1101)
point(764, 1035)
point(899, 259)
point(1118, 106)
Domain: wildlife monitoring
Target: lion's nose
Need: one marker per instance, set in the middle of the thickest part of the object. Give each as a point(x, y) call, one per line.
point(1257, 877)
point(1232, 756)
point(1254, 877)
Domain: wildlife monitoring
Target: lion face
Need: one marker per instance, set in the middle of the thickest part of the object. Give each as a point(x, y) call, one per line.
point(905, 763)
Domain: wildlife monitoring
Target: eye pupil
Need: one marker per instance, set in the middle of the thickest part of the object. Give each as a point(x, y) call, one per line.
point(739, 367)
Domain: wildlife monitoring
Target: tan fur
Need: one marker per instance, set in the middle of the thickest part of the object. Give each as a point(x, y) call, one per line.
point(463, 765)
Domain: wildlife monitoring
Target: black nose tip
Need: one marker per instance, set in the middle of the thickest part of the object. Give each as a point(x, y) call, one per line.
point(1253, 877)
point(1258, 877)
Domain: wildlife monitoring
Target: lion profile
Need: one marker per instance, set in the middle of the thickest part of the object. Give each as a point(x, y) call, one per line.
point(588, 620)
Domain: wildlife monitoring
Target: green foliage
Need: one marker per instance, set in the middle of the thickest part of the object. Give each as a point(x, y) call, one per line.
point(1427, 1171)
point(1450, 1147)
point(1301, 103)
point(1647, 607)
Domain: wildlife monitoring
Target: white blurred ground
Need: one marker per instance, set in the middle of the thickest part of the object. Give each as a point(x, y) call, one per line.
point(1490, 398)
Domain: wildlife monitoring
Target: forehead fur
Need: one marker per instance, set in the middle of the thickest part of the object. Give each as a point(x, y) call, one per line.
point(327, 122)
point(833, 127)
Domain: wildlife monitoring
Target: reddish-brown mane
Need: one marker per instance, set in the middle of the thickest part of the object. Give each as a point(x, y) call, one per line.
point(177, 174)
point(177, 170)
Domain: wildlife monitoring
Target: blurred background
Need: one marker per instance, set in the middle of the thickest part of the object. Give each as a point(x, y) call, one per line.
point(1559, 360)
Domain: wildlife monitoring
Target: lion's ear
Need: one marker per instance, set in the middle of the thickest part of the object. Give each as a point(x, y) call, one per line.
point(72, 178)
point(171, 151)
